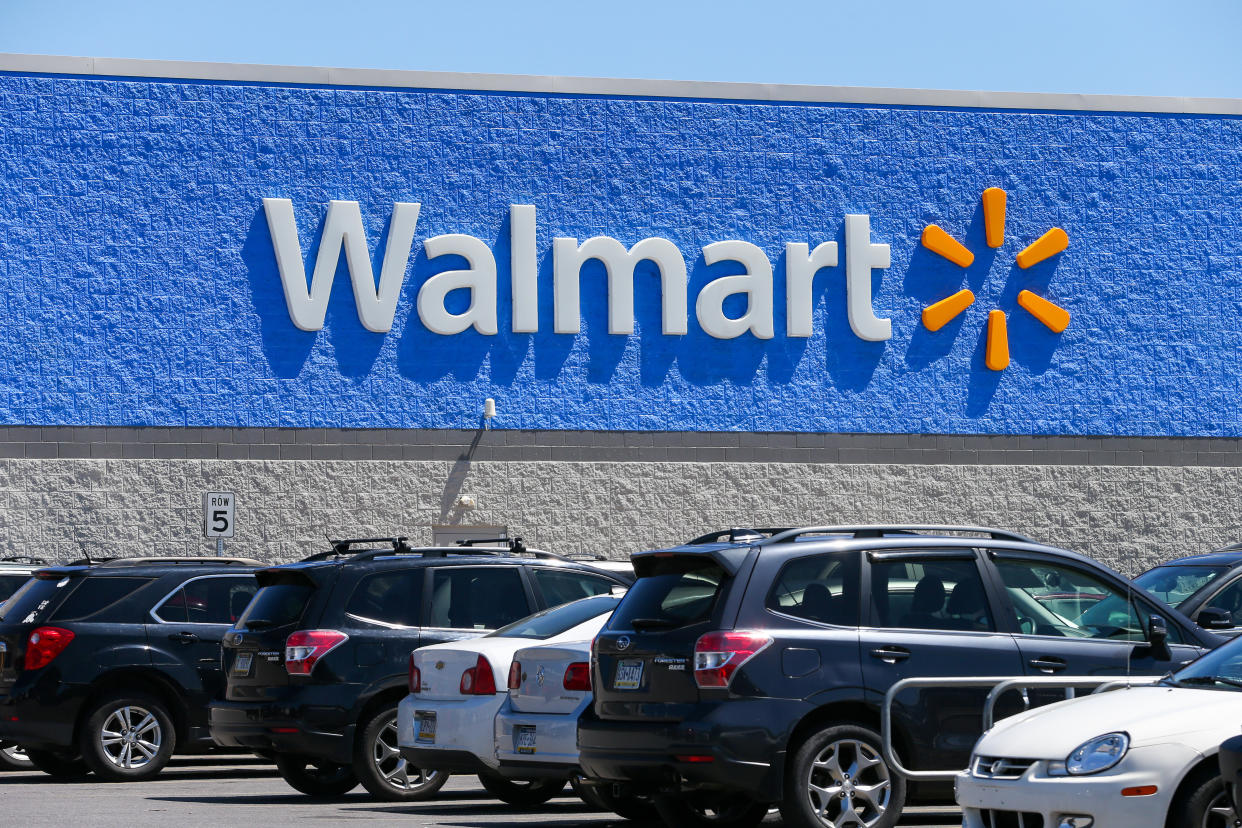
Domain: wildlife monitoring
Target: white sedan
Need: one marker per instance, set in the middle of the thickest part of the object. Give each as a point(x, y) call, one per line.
point(447, 721)
point(1144, 757)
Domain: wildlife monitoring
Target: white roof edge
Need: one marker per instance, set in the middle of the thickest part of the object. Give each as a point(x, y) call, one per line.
point(609, 87)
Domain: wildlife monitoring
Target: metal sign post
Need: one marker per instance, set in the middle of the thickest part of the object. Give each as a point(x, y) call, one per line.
point(218, 513)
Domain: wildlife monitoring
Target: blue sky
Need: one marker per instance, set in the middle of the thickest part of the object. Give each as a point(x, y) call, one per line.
point(1136, 47)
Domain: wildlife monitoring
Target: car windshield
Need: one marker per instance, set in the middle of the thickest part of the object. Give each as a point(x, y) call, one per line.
point(551, 622)
point(1174, 584)
point(1220, 669)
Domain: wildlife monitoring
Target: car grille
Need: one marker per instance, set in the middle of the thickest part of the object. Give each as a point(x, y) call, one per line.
point(1012, 819)
point(992, 767)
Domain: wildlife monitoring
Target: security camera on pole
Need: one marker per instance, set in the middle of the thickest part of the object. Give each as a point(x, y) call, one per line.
point(218, 509)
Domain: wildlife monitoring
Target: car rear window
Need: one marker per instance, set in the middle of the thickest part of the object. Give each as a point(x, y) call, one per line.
point(96, 595)
point(672, 593)
point(1174, 584)
point(550, 622)
point(29, 602)
point(10, 584)
point(275, 605)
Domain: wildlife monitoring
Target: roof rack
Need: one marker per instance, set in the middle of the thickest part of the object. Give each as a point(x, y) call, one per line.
point(25, 559)
point(475, 547)
point(881, 530)
point(736, 534)
point(177, 560)
point(341, 548)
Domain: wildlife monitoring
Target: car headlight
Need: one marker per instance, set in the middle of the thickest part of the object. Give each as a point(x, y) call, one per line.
point(1093, 756)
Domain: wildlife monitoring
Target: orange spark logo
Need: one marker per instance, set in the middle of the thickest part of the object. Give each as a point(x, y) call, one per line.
point(937, 315)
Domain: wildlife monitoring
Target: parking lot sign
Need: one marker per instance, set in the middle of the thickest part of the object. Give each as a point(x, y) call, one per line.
point(218, 514)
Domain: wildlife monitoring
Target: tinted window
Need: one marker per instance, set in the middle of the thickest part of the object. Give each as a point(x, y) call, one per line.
point(561, 586)
point(560, 619)
point(10, 584)
point(929, 594)
point(27, 605)
point(1229, 598)
point(275, 606)
point(675, 592)
point(391, 598)
point(95, 595)
point(208, 601)
point(477, 598)
point(1051, 599)
point(1174, 584)
point(821, 588)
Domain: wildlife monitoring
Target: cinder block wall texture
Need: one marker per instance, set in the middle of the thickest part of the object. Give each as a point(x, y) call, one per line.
point(1127, 516)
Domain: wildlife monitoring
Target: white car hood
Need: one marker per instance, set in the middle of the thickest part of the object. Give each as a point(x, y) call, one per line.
point(1198, 718)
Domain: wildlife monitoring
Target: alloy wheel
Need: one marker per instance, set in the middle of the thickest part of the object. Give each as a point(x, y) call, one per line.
point(1219, 813)
point(131, 737)
point(392, 766)
point(849, 785)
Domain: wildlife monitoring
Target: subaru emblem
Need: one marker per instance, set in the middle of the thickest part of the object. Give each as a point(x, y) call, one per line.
point(623, 643)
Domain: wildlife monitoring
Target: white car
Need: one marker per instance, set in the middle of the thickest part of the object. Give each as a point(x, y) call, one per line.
point(537, 726)
point(1143, 757)
point(447, 722)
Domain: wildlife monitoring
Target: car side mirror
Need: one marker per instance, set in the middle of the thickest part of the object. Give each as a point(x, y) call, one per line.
point(1215, 618)
point(1158, 638)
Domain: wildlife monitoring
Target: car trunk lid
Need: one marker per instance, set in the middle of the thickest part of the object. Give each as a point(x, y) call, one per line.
point(541, 678)
point(253, 652)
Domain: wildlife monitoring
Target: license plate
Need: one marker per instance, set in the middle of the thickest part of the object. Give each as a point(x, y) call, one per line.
point(629, 674)
point(525, 739)
point(242, 664)
point(427, 727)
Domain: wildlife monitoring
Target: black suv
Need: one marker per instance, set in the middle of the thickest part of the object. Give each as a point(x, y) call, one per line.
point(319, 661)
point(748, 667)
point(108, 666)
point(1206, 588)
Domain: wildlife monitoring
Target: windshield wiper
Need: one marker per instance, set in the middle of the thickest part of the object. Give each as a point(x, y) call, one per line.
point(653, 623)
point(259, 624)
point(1210, 680)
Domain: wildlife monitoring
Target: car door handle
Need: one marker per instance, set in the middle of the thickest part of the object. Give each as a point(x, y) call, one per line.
point(1048, 664)
point(183, 637)
point(890, 653)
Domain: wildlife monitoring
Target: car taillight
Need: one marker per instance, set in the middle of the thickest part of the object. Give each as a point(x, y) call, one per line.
point(718, 655)
point(478, 680)
point(416, 676)
point(515, 675)
point(578, 676)
point(45, 644)
point(304, 649)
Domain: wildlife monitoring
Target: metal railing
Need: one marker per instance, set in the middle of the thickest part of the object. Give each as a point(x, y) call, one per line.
point(999, 685)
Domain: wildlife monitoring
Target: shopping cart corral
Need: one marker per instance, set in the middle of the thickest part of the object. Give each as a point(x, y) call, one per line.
point(999, 686)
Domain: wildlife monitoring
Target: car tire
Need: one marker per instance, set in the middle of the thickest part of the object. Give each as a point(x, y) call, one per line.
point(58, 765)
point(619, 799)
point(320, 779)
point(382, 769)
point(818, 790)
point(710, 809)
point(521, 793)
point(13, 758)
point(1204, 804)
point(127, 737)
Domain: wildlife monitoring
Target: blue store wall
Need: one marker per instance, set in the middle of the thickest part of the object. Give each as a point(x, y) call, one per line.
point(140, 286)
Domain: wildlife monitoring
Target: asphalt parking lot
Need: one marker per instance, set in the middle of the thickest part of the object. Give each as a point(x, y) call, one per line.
point(237, 791)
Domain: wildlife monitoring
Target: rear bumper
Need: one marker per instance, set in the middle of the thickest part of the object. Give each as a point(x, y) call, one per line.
point(462, 727)
point(43, 715)
point(556, 738)
point(445, 759)
point(280, 729)
point(726, 747)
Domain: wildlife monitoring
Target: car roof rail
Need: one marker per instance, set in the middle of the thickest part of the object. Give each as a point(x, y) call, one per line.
point(516, 546)
point(737, 534)
point(341, 548)
point(882, 530)
point(24, 559)
point(177, 560)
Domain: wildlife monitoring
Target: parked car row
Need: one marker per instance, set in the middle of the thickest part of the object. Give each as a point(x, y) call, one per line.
point(740, 672)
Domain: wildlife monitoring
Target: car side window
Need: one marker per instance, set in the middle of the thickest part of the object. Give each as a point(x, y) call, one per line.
point(95, 595)
point(477, 598)
point(1058, 600)
point(1229, 599)
point(210, 600)
point(822, 588)
point(562, 586)
point(929, 594)
point(389, 598)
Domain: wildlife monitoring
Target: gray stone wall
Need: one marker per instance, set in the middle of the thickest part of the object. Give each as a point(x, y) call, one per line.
point(1127, 516)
